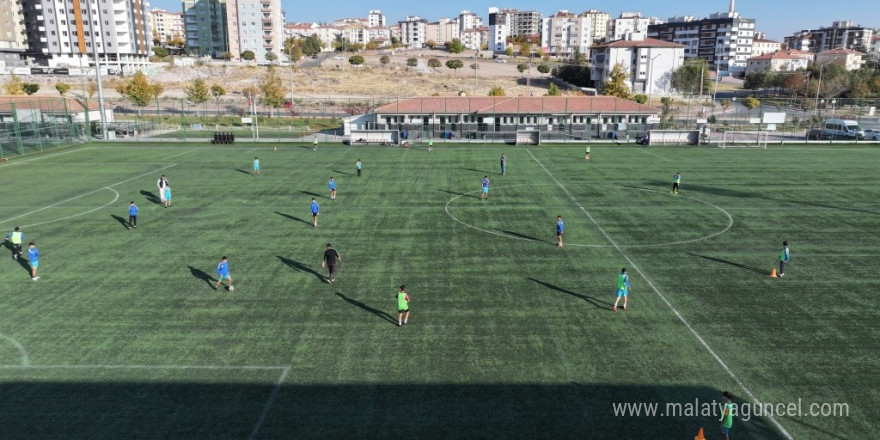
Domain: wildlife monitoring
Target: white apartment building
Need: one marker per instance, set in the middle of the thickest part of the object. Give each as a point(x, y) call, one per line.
point(469, 20)
point(850, 59)
point(874, 50)
point(598, 21)
point(473, 39)
point(414, 32)
point(649, 62)
point(840, 34)
point(564, 33)
point(505, 23)
point(630, 23)
point(61, 35)
point(375, 18)
point(166, 25)
point(256, 26)
point(13, 38)
point(781, 61)
point(443, 31)
point(762, 46)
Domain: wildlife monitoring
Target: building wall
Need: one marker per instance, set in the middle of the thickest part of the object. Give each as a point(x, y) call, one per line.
point(761, 47)
point(206, 27)
point(413, 32)
point(841, 34)
point(561, 35)
point(13, 38)
point(630, 23)
point(650, 68)
point(724, 40)
point(598, 21)
point(165, 25)
point(255, 25)
point(375, 18)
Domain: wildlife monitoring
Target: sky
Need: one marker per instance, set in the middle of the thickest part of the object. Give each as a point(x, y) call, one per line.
point(777, 18)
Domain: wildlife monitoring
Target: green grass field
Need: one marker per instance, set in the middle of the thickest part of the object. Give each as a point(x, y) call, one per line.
point(510, 337)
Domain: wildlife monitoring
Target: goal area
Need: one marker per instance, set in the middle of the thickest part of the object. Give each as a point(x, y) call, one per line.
point(743, 139)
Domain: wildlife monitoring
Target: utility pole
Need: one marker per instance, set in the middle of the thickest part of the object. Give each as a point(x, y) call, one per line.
point(476, 51)
point(97, 73)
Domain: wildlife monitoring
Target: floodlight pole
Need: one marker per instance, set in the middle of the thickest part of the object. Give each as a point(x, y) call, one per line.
point(97, 74)
point(476, 51)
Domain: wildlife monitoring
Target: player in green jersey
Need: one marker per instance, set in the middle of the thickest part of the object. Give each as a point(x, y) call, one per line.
point(623, 287)
point(402, 306)
point(726, 415)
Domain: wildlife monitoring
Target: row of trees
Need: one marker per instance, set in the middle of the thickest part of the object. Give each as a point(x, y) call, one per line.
point(836, 82)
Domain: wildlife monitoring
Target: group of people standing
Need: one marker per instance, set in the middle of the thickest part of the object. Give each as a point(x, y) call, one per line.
point(15, 239)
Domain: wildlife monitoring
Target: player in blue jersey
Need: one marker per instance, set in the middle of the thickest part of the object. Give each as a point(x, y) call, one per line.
point(132, 215)
point(560, 228)
point(315, 211)
point(332, 186)
point(622, 288)
point(257, 166)
point(223, 274)
point(485, 194)
point(33, 260)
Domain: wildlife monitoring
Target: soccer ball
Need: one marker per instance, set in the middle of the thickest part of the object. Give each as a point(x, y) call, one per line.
point(231, 288)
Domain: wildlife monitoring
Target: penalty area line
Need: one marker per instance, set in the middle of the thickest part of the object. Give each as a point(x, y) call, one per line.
point(269, 402)
point(662, 297)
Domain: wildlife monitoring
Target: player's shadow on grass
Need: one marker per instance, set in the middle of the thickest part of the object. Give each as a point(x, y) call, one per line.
point(315, 195)
point(121, 220)
point(342, 172)
point(743, 266)
point(518, 235)
point(366, 308)
point(293, 218)
point(296, 265)
point(243, 171)
point(598, 303)
point(151, 197)
point(460, 194)
point(202, 275)
point(23, 261)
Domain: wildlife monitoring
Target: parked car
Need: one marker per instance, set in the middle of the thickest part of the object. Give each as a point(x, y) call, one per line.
point(872, 135)
point(500, 60)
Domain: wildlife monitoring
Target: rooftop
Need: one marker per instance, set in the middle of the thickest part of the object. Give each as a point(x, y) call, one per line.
point(516, 105)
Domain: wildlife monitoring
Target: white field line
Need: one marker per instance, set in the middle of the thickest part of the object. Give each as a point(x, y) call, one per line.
point(85, 194)
point(115, 198)
point(663, 297)
point(147, 367)
point(179, 154)
point(101, 163)
point(656, 155)
point(269, 403)
point(25, 361)
point(19, 162)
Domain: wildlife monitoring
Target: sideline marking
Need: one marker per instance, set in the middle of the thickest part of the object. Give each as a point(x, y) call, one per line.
point(10, 163)
point(110, 187)
point(25, 361)
point(77, 215)
point(269, 403)
point(693, 240)
point(657, 155)
point(145, 367)
point(181, 154)
point(662, 297)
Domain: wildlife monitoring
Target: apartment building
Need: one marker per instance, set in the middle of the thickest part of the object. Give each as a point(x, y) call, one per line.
point(724, 39)
point(565, 33)
point(474, 39)
point(165, 26)
point(761, 46)
point(205, 25)
point(505, 23)
point(469, 20)
point(443, 31)
point(375, 18)
point(850, 59)
point(414, 32)
point(598, 22)
point(649, 62)
point(840, 34)
point(780, 61)
point(630, 23)
point(67, 34)
point(13, 38)
point(256, 26)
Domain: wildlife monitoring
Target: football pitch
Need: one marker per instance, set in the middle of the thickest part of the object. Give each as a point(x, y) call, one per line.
point(123, 335)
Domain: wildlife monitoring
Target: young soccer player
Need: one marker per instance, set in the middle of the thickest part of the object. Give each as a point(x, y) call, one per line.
point(726, 415)
point(15, 238)
point(162, 183)
point(331, 262)
point(622, 288)
point(315, 144)
point(676, 180)
point(430, 144)
point(257, 166)
point(587, 153)
point(315, 211)
point(560, 227)
point(332, 186)
point(402, 306)
point(223, 274)
point(359, 165)
point(784, 256)
point(168, 196)
point(33, 260)
point(503, 164)
point(485, 194)
point(132, 215)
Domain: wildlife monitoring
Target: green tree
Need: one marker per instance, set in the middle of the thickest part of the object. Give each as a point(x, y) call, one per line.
point(226, 56)
point(525, 48)
point(384, 60)
point(139, 91)
point(356, 60)
point(160, 52)
point(197, 92)
point(30, 88)
point(312, 45)
point(496, 91)
point(456, 46)
point(13, 85)
point(750, 103)
point(62, 88)
point(271, 57)
point(177, 41)
point(272, 89)
point(616, 84)
point(412, 62)
point(874, 85)
point(434, 63)
point(217, 91)
point(454, 64)
point(641, 99)
point(508, 51)
point(755, 81)
point(554, 90)
point(577, 57)
point(522, 67)
point(543, 68)
point(248, 55)
point(686, 79)
point(725, 103)
point(430, 44)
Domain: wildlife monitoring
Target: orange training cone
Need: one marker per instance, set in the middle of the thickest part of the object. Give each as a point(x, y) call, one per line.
point(700, 435)
point(773, 273)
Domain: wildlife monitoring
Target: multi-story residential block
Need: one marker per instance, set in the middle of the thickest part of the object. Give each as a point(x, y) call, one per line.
point(443, 31)
point(414, 32)
point(13, 39)
point(724, 39)
point(505, 23)
point(780, 61)
point(598, 21)
point(165, 26)
point(649, 62)
point(375, 18)
point(469, 20)
point(841, 34)
point(65, 35)
point(564, 34)
point(205, 25)
point(874, 50)
point(761, 46)
point(474, 39)
point(850, 59)
point(630, 23)
point(256, 26)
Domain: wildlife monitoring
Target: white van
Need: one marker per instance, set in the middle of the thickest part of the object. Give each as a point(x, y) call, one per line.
point(843, 129)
